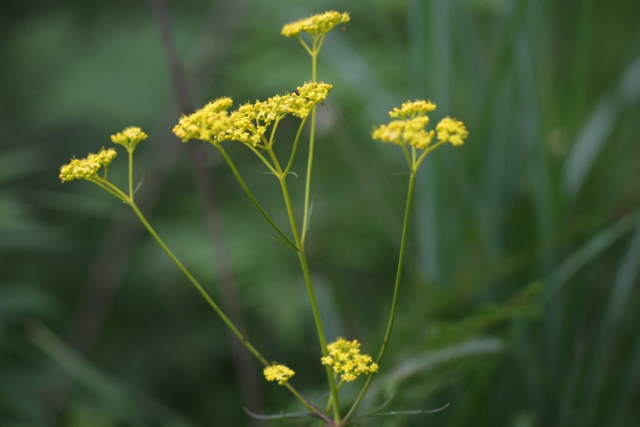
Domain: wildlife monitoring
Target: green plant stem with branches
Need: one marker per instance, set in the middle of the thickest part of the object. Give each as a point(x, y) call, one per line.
point(249, 125)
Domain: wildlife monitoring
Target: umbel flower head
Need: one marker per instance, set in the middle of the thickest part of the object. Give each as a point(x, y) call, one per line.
point(410, 127)
point(207, 123)
point(345, 359)
point(277, 372)
point(129, 138)
point(315, 25)
point(88, 167)
point(452, 130)
point(249, 123)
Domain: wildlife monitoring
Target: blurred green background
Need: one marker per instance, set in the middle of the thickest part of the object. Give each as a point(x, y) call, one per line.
point(519, 303)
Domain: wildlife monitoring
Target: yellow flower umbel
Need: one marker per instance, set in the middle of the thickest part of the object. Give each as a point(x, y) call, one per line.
point(207, 124)
point(452, 130)
point(345, 359)
point(249, 123)
point(129, 138)
point(88, 167)
point(315, 25)
point(278, 373)
point(409, 129)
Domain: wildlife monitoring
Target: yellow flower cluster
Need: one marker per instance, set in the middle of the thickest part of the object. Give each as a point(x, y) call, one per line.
point(88, 167)
point(249, 123)
point(408, 131)
point(315, 25)
point(130, 137)
point(452, 130)
point(410, 128)
point(207, 123)
point(278, 373)
point(412, 109)
point(345, 359)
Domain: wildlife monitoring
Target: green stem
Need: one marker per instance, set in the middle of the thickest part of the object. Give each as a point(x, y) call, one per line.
point(219, 311)
point(308, 404)
point(275, 161)
point(197, 285)
point(108, 188)
point(253, 199)
point(295, 146)
point(312, 296)
point(312, 137)
point(130, 173)
point(273, 132)
point(320, 328)
point(257, 153)
point(305, 45)
point(394, 304)
point(424, 154)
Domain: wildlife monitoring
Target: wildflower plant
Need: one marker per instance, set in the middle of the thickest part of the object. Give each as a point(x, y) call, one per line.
point(255, 125)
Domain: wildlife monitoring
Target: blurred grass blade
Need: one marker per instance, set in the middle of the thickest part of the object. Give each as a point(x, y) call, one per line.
point(130, 405)
point(604, 343)
point(281, 416)
point(430, 360)
point(414, 412)
point(598, 129)
point(589, 251)
point(589, 144)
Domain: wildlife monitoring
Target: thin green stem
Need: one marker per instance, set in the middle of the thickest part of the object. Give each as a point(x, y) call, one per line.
point(312, 296)
point(321, 335)
point(253, 199)
point(427, 151)
point(273, 131)
point(394, 303)
point(292, 217)
point(406, 155)
point(257, 153)
point(295, 146)
point(119, 194)
point(318, 45)
point(197, 285)
point(275, 161)
point(219, 311)
point(308, 404)
point(403, 244)
point(312, 137)
point(116, 192)
point(314, 60)
point(305, 45)
point(130, 173)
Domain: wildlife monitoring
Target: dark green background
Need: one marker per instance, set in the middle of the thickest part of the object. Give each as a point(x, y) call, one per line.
point(519, 303)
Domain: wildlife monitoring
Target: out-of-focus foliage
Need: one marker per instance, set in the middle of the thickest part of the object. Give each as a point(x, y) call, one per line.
point(519, 304)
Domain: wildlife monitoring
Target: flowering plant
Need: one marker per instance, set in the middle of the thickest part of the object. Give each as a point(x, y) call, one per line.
point(255, 125)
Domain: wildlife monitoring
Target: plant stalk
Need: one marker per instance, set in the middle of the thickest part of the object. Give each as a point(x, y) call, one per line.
point(394, 304)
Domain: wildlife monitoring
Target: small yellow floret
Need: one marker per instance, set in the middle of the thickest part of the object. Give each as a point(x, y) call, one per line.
point(345, 359)
point(130, 137)
point(278, 373)
point(451, 130)
point(412, 109)
point(316, 25)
